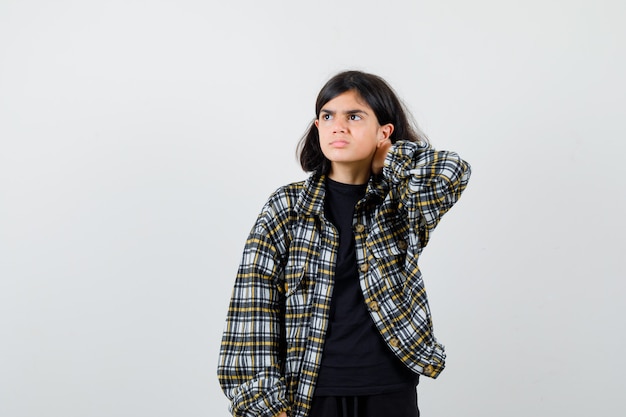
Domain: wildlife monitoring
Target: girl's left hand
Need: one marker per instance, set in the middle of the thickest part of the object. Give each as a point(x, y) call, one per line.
point(379, 156)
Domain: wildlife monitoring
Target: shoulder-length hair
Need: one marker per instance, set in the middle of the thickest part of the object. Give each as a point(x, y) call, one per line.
point(377, 94)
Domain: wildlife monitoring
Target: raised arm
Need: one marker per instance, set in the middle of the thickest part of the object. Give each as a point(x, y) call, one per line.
point(428, 181)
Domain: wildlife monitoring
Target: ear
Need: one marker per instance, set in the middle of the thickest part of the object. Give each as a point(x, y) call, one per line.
point(317, 123)
point(385, 132)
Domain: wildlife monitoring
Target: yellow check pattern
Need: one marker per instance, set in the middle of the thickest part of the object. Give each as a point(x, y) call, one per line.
point(277, 318)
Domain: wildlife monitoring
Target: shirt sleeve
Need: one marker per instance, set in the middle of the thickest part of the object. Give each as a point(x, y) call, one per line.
point(429, 182)
point(250, 359)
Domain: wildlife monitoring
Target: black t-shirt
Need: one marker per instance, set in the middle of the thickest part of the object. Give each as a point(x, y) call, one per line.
point(356, 360)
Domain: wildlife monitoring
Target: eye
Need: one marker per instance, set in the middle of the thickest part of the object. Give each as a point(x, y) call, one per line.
point(325, 116)
point(355, 117)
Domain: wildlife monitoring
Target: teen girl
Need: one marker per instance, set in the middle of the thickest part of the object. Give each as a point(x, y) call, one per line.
point(329, 316)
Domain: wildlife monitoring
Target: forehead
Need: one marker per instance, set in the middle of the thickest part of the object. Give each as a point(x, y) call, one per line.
point(349, 100)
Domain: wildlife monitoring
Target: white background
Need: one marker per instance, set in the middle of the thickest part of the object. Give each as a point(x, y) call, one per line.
point(139, 139)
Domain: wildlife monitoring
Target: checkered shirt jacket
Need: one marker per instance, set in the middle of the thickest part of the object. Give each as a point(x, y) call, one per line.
point(278, 315)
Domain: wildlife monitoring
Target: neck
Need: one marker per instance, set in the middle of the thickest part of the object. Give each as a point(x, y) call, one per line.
point(354, 175)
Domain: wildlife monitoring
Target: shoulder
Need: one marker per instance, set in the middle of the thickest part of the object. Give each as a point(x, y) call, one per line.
point(286, 196)
point(282, 204)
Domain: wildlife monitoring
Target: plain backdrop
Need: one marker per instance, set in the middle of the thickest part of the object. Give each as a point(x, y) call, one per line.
point(139, 140)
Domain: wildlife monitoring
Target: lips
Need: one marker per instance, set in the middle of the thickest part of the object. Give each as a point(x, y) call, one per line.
point(339, 143)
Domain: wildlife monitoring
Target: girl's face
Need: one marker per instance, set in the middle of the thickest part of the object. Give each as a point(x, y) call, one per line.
point(349, 132)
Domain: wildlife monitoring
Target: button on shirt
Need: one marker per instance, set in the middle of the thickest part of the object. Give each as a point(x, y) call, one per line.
point(278, 315)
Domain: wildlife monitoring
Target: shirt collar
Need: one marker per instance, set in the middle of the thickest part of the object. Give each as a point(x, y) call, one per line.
point(311, 199)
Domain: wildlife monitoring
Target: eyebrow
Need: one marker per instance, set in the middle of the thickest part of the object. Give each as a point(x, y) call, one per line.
point(355, 111)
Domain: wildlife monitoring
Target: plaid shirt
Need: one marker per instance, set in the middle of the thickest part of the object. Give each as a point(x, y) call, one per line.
point(278, 315)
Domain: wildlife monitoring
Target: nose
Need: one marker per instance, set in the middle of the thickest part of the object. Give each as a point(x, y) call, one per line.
point(339, 125)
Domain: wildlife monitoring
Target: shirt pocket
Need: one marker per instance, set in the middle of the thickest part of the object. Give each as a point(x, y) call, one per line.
point(298, 280)
point(298, 295)
point(389, 239)
point(297, 319)
point(293, 277)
